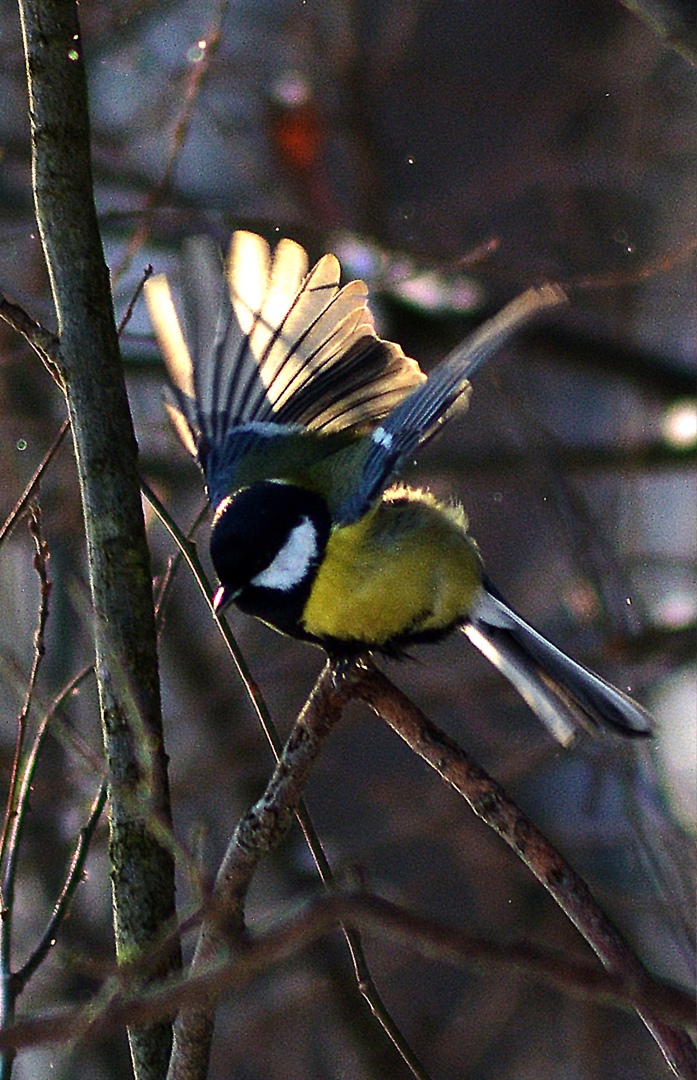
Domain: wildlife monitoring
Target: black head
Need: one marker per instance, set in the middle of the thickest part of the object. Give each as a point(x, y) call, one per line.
point(266, 543)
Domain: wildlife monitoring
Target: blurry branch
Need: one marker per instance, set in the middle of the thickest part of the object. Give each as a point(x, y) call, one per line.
point(17, 793)
point(581, 460)
point(575, 348)
point(289, 937)
point(491, 803)
point(18, 797)
point(676, 645)
point(62, 905)
point(663, 849)
point(24, 765)
point(187, 550)
point(106, 453)
point(47, 346)
point(586, 535)
point(673, 21)
point(642, 270)
point(31, 487)
point(189, 99)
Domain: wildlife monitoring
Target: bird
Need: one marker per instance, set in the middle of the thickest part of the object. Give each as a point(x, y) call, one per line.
point(302, 419)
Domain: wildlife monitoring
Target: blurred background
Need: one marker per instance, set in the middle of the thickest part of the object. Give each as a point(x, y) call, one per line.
point(451, 153)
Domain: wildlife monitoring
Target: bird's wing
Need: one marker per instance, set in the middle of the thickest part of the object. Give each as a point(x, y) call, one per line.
point(419, 415)
point(264, 344)
point(564, 695)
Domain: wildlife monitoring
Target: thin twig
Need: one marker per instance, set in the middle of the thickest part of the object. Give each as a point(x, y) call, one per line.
point(189, 99)
point(128, 314)
point(18, 794)
point(62, 729)
point(383, 920)
point(29, 490)
point(189, 553)
point(18, 791)
point(181, 540)
point(62, 905)
point(43, 342)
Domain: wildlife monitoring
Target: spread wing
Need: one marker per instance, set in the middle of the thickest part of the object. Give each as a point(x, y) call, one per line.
point(262, 342)
point(419, 415)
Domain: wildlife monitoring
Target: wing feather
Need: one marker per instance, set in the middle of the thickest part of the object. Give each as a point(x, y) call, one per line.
point(265, 342)
point(418, 416)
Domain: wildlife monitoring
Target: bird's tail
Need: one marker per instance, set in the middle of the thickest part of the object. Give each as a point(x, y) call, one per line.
point(562, 693)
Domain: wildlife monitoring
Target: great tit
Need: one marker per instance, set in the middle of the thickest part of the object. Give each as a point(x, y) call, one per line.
point(301, 419)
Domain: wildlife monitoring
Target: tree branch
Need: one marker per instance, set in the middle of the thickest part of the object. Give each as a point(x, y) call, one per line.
point(492, 804)
point(120, 580)
point(385, 921)
point(260, 831)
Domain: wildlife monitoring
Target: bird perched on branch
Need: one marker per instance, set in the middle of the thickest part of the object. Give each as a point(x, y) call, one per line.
point(301, 419)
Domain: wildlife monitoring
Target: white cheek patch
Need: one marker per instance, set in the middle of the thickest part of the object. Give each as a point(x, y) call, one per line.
point(291, 564)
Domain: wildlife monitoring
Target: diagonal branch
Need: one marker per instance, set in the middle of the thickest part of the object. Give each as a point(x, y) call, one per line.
point(60, 910)
point(492, 804)
point(260, 831)
point(673, 21)
point(44, 343)
point(31, 487)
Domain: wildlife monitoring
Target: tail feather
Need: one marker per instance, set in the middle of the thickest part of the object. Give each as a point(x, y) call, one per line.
point(561, 692)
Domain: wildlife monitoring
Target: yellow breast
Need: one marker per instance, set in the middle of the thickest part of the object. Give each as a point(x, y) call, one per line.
point(406, 568)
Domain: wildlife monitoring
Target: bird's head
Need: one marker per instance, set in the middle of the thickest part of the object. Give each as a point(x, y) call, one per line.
point(266, 543)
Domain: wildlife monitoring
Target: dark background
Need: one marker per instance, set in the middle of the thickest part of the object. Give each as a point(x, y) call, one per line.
point(473, 148)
